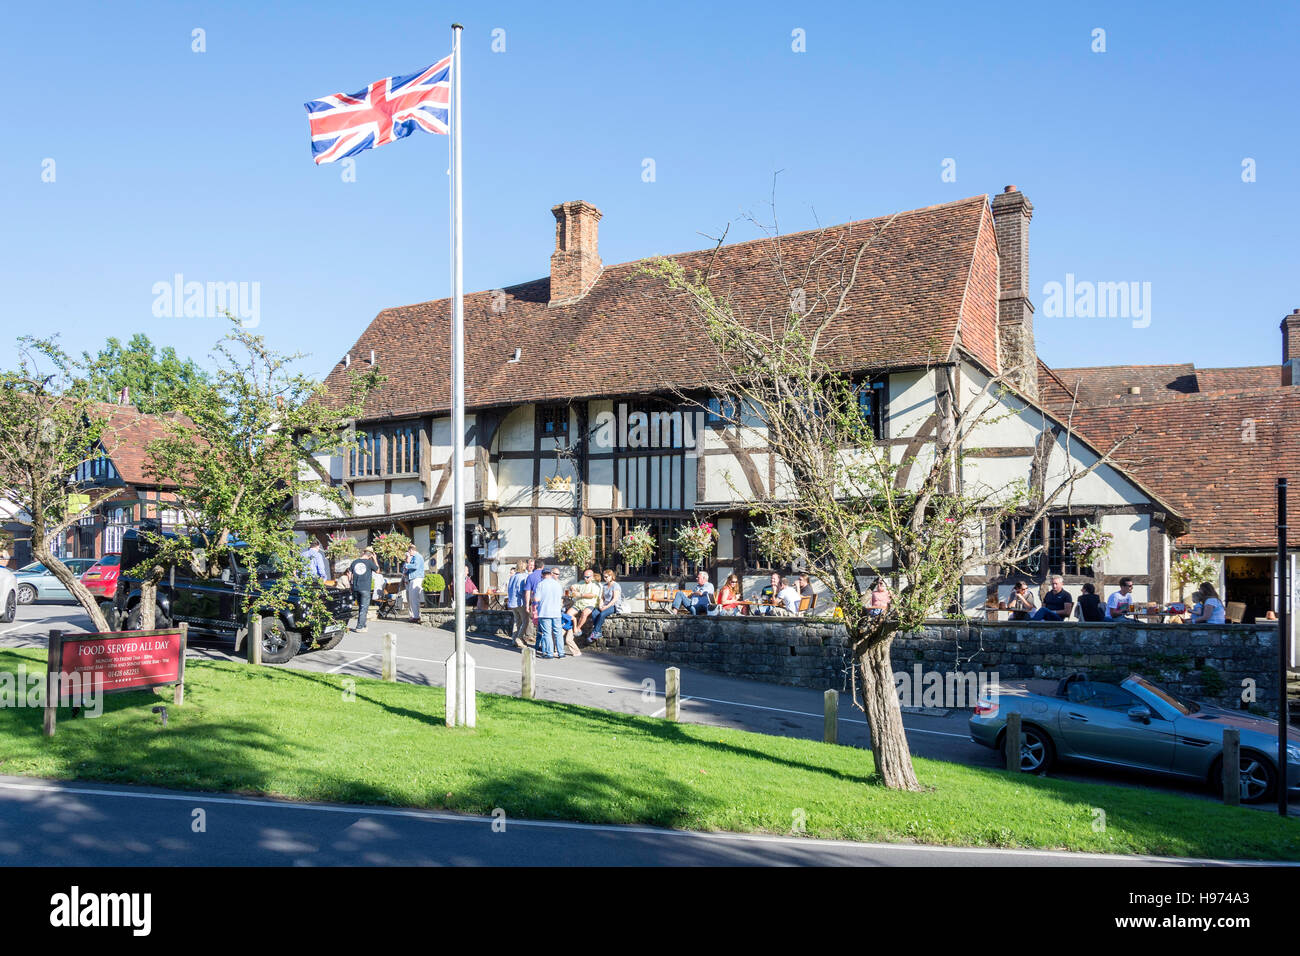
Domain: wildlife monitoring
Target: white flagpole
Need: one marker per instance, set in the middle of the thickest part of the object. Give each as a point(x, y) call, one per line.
point(458, 711)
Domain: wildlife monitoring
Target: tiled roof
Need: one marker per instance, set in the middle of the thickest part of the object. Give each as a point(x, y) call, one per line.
point(126, 437)
point(1197, 452)
point(925, 274)
point(1104, 385)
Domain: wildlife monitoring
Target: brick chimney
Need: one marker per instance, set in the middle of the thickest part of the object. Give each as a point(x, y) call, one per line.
point(575, 263)
point(1291, 348)
point(1011, 215)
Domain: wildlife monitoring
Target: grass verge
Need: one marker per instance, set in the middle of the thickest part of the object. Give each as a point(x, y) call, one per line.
point(295, 734)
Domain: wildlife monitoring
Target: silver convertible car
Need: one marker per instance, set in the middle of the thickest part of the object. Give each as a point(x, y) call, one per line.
point(1134, 724)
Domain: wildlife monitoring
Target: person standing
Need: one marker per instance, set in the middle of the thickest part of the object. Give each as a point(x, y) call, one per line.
point(550, 605)
point(530, 597)
point(317, 566)
point(363, 570)
point(515, 602)
point(413, 571)
point(611, 602)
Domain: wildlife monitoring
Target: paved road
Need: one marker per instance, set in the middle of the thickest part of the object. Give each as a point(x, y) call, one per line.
point(79, 824)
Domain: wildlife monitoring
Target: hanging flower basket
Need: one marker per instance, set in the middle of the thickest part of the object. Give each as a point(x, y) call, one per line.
point(1193, 568)
point(575, 550)
point(1090, 545)
point(637, 546)
point(342, 547)
point(391, 547)
point(695, 541)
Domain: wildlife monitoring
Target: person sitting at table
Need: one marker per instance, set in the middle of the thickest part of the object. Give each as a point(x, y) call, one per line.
point(878, 598)
point(1212, 611)
point(805, 586)
point(1090, 607)
point(1022, 602)
point(729, 596)
point(1121, 602)
point(698, 599)
point(767, 597)
point(788, 595)
point(1057, 602)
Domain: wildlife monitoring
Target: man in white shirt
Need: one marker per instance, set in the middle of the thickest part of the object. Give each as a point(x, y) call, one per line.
point(1121, 601)
point(789, 598)
point(550, 605)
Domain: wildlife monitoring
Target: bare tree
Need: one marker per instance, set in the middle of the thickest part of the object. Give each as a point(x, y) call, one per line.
point(841, 504)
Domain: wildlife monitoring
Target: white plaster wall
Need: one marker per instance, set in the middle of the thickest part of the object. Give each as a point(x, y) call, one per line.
point(516, 430)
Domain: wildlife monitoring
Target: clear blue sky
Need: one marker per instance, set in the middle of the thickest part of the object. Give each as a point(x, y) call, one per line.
point(170, 161)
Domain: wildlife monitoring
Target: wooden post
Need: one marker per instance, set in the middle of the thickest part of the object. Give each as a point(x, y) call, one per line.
point(52, 658)
point(178, 691)
point(831, 705)
point(390, 656)
point(254, 638)
point(672, 692)
point(1013, 741)
point(527, 687)
point(1232, 766)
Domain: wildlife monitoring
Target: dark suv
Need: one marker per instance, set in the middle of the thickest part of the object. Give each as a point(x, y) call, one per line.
point(213, 605)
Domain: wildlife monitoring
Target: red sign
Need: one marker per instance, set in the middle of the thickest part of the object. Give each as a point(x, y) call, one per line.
point(120, 661)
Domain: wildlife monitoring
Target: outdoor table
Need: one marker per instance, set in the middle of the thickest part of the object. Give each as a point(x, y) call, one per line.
point(494, 599)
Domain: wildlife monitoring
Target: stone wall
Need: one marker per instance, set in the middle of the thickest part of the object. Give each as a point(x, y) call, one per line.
point(1207, 661)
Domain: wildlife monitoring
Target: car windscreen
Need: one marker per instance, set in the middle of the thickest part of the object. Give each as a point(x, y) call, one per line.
point(110, 560)
point(32, 569)
point(1180, 704)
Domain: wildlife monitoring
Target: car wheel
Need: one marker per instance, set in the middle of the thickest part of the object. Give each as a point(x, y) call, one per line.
point(330, 642)
point(11, 608)
point(26, 594)
point(279, 644)
point(1037, 754)
point(1257, 778)
point(133, 618)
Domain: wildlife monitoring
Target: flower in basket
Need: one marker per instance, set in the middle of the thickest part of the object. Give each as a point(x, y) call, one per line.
point(1193, 568)
point(391, 547)
point(637, 546)
point(1090, 544)
point(575, 550)
point(342, 547)
point(695, 541)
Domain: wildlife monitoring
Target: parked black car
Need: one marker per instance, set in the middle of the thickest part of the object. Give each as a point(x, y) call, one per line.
point(213, 605)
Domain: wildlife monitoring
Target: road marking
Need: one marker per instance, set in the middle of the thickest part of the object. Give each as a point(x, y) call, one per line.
point(444, 817)
point(334, 670)
point(664, 709)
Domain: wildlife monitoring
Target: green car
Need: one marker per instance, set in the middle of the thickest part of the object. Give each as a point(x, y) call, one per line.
point(36, 583)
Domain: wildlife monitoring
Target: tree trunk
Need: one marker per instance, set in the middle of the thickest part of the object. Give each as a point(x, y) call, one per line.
point(885, 718)
point(88, 602)
point(148, 604)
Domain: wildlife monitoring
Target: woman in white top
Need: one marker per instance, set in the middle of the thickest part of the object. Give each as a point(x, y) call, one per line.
point(1212, 611)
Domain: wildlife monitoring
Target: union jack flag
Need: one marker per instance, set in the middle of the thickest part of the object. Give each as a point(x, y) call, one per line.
point(345, 124)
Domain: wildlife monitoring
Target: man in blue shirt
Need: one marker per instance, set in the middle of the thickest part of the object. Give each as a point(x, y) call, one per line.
point(530, 596)
point(698, 600)
point(550, 605)
point(413, 571)
point(316, 563)
point(515, 602)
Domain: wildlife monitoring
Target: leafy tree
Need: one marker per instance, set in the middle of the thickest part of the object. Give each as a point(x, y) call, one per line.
point(156, 380)
point(48, 427)
point(239, 458)
point(842, 506)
